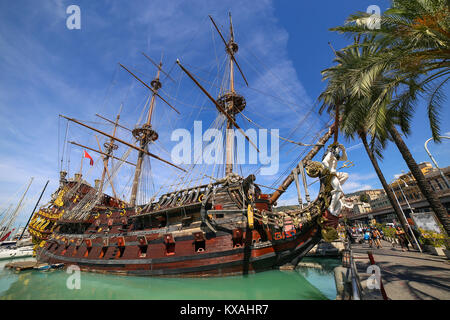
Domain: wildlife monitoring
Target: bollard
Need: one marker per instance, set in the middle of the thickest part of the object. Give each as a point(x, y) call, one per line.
point(372, 262)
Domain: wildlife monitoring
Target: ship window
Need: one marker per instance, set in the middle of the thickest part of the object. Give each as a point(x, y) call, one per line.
point(199, 242)
point(143, 251)
point(103, 252)
point(120, 252)
point(170, 249)
point(65, 250)
point(142, 244)
point(237, 238)
point(88, 250)
point(170, 244)
point(200, 246)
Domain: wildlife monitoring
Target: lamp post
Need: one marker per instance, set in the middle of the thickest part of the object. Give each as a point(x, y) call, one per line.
point(434, 161)
point(410, 209)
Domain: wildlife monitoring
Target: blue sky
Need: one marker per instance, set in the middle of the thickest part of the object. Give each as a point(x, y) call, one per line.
point(49, 70)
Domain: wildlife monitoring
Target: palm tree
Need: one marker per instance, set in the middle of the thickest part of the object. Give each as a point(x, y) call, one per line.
point(414, 62)
point(355, 118)
point(415, 35)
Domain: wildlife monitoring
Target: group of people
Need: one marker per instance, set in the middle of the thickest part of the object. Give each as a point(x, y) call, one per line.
point(373, 235)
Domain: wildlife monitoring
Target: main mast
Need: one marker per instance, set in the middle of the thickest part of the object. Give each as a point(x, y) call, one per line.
point(232, 102)
point(145, 135)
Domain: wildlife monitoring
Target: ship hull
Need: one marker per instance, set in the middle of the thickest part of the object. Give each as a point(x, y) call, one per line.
point(217, 231)
point(223, 261)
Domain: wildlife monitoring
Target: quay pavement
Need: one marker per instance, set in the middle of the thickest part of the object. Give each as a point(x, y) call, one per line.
point(409, 275)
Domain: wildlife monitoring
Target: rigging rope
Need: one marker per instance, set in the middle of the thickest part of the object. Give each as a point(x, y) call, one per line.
point(270, 132)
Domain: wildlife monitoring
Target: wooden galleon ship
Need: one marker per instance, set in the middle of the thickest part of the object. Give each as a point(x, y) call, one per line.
point(224, 227)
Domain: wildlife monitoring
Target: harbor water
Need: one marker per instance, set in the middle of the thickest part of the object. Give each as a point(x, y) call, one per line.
point(304, 283)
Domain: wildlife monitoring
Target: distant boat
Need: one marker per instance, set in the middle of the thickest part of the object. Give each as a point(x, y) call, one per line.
point(14, 253)
point(46, 266)
point(42, 267)
point(7, 244)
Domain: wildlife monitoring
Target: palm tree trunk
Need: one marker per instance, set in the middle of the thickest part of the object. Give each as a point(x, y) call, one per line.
point(387, 189)
point(424, 186)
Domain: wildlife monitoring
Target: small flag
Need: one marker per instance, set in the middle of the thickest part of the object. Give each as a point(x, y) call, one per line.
point(86, 155)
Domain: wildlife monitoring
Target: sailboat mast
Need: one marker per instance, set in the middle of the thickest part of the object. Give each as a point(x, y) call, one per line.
point(145, 135)
point(14, 214)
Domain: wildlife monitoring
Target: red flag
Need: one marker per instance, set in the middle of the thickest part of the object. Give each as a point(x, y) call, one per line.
point(7, 235)
point(86, 155)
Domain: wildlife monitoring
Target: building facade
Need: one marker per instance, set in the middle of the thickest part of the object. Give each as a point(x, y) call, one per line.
point(409, 196)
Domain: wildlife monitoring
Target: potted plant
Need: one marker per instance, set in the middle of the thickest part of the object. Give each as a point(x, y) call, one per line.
point(435, 243)
point(389, 234)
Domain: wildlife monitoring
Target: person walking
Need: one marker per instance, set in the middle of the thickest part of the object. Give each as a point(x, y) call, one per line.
point(402, 238)
point(350, 236)
point(377, 237)
point(368, 237)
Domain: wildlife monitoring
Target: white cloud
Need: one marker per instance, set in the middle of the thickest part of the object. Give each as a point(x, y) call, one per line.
point(355, 186)
point(287, 202)
point(354, 147)
point(358, 181)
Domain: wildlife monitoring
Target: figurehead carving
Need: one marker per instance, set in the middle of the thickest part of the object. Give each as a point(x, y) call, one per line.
point(335, 153)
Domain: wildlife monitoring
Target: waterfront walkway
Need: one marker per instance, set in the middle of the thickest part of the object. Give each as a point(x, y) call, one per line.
point(409, 275)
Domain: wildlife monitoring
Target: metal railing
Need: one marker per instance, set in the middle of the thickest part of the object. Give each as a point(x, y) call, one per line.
point(350, 264)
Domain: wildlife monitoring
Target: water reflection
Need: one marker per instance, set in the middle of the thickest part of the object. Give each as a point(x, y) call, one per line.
point(309, 284)
point(320, 272)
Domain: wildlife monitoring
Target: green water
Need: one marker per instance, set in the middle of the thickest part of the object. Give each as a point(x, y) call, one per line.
point(302, 284)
